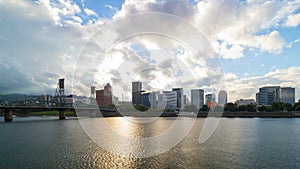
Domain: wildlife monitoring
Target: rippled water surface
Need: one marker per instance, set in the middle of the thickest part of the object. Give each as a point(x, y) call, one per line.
point(44, 142)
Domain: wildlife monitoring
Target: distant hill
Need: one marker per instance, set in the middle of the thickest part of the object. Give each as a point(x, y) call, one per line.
point(9, 98)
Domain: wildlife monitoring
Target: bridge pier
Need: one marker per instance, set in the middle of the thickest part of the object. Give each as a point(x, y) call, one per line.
point(8, 115)
point(61, 114)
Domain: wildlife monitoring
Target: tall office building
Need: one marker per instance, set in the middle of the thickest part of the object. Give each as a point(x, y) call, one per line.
point(210, 98)
point(107, 88)
point(185, 100)
point(153, 99)
point(180, 101)
point(149, 99)
point(170, 99)
point(257, 98)
point(197, 96)
point(222, 97)
point(145, 99)
point(136, 93)
point(267, 95)
point(287, 95)
point(104, 96)
point(160, 101)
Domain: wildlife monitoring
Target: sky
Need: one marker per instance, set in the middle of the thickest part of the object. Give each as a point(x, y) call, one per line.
point(91, 42)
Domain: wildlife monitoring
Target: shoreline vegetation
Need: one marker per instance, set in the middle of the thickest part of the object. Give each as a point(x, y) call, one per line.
point(42, 113)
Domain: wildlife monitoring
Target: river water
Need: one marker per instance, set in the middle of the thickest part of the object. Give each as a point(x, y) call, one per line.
point(45, 142)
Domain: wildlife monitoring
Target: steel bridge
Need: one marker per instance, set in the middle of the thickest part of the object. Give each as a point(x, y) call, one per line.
point(8, 110)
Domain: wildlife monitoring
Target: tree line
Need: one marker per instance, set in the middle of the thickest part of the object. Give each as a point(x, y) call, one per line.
point(231, 107)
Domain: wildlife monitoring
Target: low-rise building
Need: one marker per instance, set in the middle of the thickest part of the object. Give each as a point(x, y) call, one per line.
point(245, 102)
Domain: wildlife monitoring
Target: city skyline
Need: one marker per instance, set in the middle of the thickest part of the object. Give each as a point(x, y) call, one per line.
point(289, 92)
point(177, 98)
point(265, 97)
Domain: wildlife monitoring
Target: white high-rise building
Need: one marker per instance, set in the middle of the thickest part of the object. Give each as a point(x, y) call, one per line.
point(160, 102)
point(170, 98)
point(222, 97)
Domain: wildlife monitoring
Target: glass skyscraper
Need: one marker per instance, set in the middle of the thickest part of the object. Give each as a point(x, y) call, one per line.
point(179, 92)
point(287, 95)
point(197, 96)
point(136, 93)
point(267, 95)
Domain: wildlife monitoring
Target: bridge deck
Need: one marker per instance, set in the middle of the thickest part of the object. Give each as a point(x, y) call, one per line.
point(52, 108)
point(36, 107)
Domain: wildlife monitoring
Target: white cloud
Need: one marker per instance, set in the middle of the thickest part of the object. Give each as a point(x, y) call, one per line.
point(242, 88)
point(271, 42)
point(59, 11)
point(112, 8)
point(233, 52)
point(77, 19)
point(240, 26)
point(90, 12)
point(293, 20)
point(290, 45)
point(246, 24)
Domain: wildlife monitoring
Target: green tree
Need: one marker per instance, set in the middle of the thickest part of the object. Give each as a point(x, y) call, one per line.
point(204, 108)
point(230, 107)
point(251, 108)
point(262, 108)
point(242, 108)
point(297, 108)
point(277, 106)
point(295, 105)
point(287, 107)
point(141, 107)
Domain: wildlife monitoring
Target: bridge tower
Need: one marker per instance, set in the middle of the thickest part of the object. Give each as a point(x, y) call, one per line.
point(60, 92)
